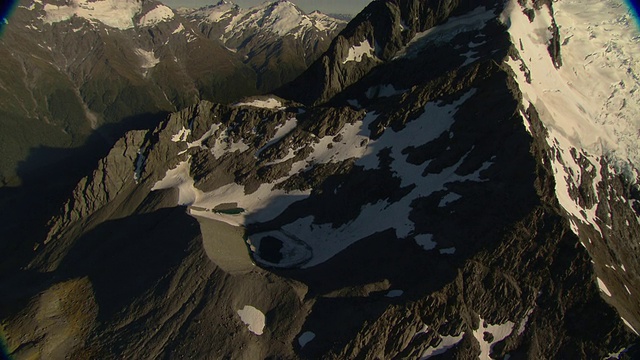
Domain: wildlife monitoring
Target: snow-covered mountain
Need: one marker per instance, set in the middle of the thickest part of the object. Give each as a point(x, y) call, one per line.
point(276, 38)
point(281, 17)
point(443, 182)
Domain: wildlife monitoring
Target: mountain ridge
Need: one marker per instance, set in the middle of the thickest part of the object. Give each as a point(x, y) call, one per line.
point(145, 60)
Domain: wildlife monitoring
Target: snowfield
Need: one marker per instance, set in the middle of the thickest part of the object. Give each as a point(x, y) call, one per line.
point(593, 100)
point(115, 13)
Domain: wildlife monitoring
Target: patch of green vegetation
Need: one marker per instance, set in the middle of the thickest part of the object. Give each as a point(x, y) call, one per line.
point(234, 211)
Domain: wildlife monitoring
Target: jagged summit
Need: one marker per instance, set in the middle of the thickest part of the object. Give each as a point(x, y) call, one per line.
point(279, 37)
point(280, 17)
point(377, 34)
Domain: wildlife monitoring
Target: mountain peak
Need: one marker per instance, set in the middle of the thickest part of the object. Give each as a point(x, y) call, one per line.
point(280, 17)
point(381, 30)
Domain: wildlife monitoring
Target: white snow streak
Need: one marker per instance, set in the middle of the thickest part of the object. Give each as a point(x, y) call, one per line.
point(630, 326)
point(178, 30)
point(603, 287)
point(148, 58)
point(264, 104)
point(281, 132)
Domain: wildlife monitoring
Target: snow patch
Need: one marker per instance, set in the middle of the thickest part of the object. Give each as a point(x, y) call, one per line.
point(426, 241)
point(181, 135)
point(149, 59)
point(394, 293)
point(448, 251)
point(294, 252)
point(178, 30)
point(499, 332)
point(615, 355)
point(157, 15)
point(327, 241)
point(180, 178)
point(449, 198)
point(264, 104)
point(281, 132)
point(140, 161)
point(603, 287)
point(446, 343)
point(306, 338)
point(253, 318)
point(358, 52)
point(382, 91)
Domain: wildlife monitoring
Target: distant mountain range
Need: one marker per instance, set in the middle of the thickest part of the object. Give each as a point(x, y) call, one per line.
point(73, 68)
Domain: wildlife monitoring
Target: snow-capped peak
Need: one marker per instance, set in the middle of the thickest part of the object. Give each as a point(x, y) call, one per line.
point(214, 13)
point(281, 17)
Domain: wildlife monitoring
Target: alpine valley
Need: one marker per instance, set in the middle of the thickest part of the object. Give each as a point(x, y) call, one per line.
point(442, 179)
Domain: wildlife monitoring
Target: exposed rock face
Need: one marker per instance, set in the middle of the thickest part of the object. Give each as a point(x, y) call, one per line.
point(435, 206)
point(381, 30)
